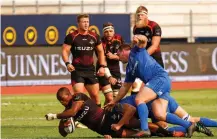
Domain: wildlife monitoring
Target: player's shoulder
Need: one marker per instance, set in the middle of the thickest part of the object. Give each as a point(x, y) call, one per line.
point(79, 97)
point(93, 34)
point(72, 34)
point(117, 36)
point(152, 23)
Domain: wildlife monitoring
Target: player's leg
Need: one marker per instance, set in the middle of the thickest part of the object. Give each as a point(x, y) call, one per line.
point(136, 86)
point(117, 86)
point(77, 82)
point(92, 86)
point(108, 93)
point(106, 89)
point(173, 131)
point(184, 115)
point(93, 90)
point(159, 107)
point(144, 95)
point(206, 121)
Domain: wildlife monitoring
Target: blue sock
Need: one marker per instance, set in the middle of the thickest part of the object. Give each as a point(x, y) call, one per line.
point(143, 115)
point(174, 119)
point(177, 128)
point(208, 122)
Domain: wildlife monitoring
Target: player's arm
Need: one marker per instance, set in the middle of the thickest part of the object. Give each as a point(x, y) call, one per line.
point(123, 91)
point(128, 112)
point(155, 40)
point(76, 106)
point(101, 56)
point(66, 48)
point(112, 56)
point(66, 52)
point(155, 44)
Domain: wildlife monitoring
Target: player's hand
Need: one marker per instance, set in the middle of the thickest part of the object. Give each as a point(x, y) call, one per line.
point(112, 80)
point(107, 137)
point(135, 39)
point(115, 127)
point(101, 71)
point(110, 55)
point(50, 116)
point(70, 67)
point(109, 106)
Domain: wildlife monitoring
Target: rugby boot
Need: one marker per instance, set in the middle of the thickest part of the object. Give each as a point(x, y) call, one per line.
point(203, 129)
point(141, 134)
point(191, 130)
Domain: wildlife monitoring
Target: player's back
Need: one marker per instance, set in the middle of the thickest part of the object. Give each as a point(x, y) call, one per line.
point(145, 67)
point(90, 114)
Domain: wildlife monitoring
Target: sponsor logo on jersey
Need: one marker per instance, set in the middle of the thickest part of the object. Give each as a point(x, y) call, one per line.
point(85, 111)
point(84, 48)
point(147, 33)
point(84, 39)
point(91, 42)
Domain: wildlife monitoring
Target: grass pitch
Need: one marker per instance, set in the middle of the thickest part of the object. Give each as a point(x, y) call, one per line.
point(22, 116)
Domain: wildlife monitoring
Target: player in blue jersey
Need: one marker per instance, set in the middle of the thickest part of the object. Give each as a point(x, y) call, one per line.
point(157, 85)
point(173, 107)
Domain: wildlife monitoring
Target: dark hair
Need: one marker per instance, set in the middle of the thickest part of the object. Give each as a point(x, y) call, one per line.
point(108, 24)
point(141, 8)
point(62, 91)
point(82, 16)
point(124, 47)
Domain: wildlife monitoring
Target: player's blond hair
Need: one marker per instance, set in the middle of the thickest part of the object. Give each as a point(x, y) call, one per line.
point(141, 8)
point(82, 16)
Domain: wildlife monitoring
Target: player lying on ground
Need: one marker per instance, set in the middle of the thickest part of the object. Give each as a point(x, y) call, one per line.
point(83, 109)
point(173, 107)
point(157, 85)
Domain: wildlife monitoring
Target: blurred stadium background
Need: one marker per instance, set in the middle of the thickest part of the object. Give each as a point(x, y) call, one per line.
point(32, 32)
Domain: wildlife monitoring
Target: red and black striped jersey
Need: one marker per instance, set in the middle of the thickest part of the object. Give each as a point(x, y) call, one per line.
point(83, 47)
point(150, 30)
point(112, 46)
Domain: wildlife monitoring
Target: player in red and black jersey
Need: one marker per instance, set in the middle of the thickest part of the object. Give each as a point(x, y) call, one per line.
point(116, 123)
point(82, 44)
point(111, 43)
point(151, 30)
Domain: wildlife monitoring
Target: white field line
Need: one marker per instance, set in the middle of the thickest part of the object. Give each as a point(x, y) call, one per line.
point(38, 104)
point(21, 118)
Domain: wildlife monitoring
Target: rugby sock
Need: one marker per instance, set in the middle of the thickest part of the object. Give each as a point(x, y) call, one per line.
point(143, 115)
point(174, 119)
point(208, 122)
point(177, 128)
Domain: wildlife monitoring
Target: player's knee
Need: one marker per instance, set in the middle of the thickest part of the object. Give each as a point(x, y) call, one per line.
point(163, 124)
point(160, 116)
point(138, 101)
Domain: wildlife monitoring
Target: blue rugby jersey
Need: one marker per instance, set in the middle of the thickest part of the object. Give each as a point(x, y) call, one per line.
point(142, 65)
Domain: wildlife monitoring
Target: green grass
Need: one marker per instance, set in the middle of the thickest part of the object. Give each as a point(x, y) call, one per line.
point(23, 115)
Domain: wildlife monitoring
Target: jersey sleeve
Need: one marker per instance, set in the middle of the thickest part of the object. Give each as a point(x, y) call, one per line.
point(156, 30)
point(80, 97)
point(68, 39)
